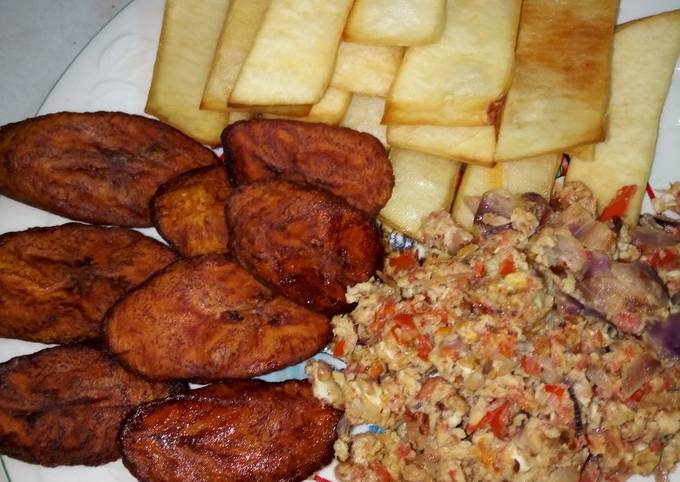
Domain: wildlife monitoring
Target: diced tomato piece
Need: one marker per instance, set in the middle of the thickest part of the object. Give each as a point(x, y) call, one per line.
point(479, 269)
point(441, 313)
point(405, 261)
point(619, 205)
point(628, 322)
point(507, 266)
point(641, 392)
point(405, 321)
point(666, 259)
point(339, 348)
point(402, 450)
point(508, 347)
point(381, 316)
point(381, 472)
point(428, 388)
point(424, 347)
point(530, 365)
point(556, 390)
point(497, 419)
point(318, 478)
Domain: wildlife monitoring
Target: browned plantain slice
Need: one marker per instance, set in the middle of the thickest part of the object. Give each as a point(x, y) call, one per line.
point(188, 211)
point(306, 242)
point(206, 319)
point(348, 163)
point(65, 405)
point(253, 431)
point(56, 283)
point(100, 167)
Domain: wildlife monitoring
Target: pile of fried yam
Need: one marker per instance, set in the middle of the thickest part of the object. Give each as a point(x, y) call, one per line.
point(261, 249)
point(468, 95)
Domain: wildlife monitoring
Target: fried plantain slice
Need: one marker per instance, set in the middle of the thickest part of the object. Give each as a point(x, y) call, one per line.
point(306, 242)
point(205, 319)
point(350, 164)
point(56, 283)
point(254, 431)
point(65, 405)
point(99, 167)
point(188, 211)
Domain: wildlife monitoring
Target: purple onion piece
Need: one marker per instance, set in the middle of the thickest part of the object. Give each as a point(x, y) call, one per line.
point(598, 264)
point(666, 222)
point(568, 305)
point(538, 206)
point(649, 237)
point(499, 203)
point(648, 275)
point(667, 335)
point(675, 299)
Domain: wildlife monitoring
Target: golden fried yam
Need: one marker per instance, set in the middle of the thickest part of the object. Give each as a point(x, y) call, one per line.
point(190, 33)
point(366, 69)
point(65, 405)
point(305, 242)
point(206, 318)
point(188, 211)
point(460, 79)
point(645, 53)
point(293, 54)
point(473, 145)
point(536, 174)
point(329, 110)
point(396, 22)
point(364, 114)
point(268, 432)
point(100, 167)
point(241, 25)
point(423, 183)
point(560, 87)
point(56, 283)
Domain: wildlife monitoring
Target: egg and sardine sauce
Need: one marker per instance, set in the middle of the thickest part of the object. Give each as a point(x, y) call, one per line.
point(541, 348)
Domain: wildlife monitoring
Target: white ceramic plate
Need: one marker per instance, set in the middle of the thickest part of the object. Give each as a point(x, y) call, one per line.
point(113, 72)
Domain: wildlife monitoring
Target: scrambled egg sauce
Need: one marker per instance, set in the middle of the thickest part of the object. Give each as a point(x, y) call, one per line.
point(484, 361)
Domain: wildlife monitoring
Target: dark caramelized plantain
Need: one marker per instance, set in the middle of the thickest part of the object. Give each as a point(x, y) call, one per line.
point(65, 405)
point(57, 283)
point(350, 164)
point(207, 319)
point(256, 431)
point(100, 167)
point(188, 211)
point(307, 243)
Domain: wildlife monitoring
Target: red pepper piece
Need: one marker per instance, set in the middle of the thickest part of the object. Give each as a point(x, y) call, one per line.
point(507, 266)
point(339, 348)
point(619, 205)
point(424, 347)
point(405, 321)
point(556, 390)
point(404, 261)
point(530, 365)
point(497, 419)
